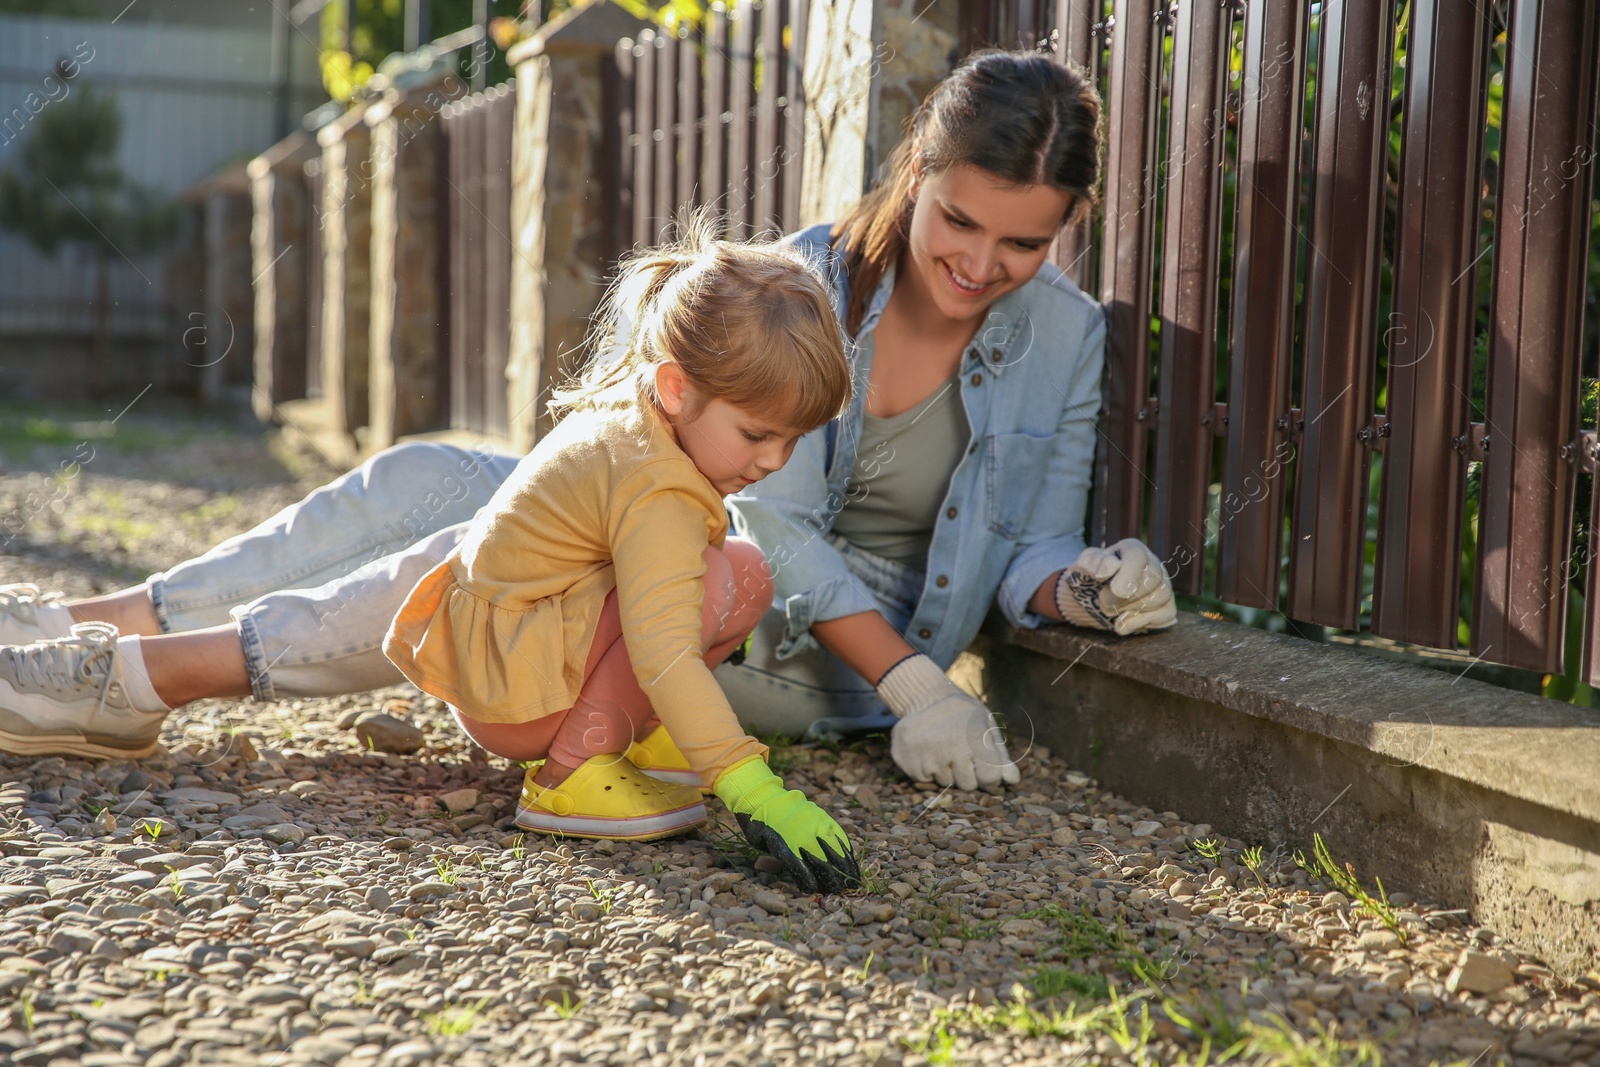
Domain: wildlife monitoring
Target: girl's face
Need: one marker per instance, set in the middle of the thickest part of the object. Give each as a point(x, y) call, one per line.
point(730, 446)
point(975, 237)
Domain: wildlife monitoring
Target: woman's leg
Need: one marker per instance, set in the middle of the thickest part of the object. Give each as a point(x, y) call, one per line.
point(396, 498)
point(813, 692)
point(102, 694)
point(612, 710)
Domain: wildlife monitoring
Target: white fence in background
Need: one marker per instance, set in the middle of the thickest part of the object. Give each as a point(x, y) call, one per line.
point(192, 99)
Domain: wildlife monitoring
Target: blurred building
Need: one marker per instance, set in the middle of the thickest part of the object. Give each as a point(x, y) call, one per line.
point(200, 86)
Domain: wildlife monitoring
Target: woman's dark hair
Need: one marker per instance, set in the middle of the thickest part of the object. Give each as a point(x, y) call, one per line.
point(1022, 116)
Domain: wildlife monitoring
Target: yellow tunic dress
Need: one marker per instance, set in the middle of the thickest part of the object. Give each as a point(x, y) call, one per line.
point(502, 628)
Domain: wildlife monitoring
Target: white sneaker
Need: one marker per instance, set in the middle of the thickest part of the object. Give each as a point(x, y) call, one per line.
point(28, 615)
point(68, 697)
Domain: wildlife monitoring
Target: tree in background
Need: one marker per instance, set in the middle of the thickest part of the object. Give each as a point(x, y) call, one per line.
point(67, 189)
point(380, 31)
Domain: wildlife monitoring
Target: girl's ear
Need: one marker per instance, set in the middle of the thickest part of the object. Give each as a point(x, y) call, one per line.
point(671, 387)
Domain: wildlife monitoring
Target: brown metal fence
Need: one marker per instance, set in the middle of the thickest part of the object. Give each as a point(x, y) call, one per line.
point(476, 257)
point(1273, 271)
point(313, 172)
point(709, 115)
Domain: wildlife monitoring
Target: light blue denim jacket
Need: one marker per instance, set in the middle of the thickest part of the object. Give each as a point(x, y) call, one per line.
point(1014, 512)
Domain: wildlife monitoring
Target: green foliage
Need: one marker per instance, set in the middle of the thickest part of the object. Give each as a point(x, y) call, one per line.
point(453, 1021)
point(1347, 882)
point(380, 32)
point(1051, 981)
point(66, 186)
point(57, 9)
point(1252, 859)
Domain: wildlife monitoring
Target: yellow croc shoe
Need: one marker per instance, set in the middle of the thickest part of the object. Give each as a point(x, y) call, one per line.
point(608, 797)
point(657, 755)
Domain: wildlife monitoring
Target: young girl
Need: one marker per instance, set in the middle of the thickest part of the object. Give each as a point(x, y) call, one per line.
point(599, 587)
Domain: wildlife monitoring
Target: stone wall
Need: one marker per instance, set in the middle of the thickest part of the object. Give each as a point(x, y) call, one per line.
point(346, 269)
point(868, 64)
point(278, 242)
point(559, 207)
point(407, 346)
point(218, 335)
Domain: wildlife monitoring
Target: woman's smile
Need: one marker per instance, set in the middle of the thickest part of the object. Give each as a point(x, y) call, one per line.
point(962, 284)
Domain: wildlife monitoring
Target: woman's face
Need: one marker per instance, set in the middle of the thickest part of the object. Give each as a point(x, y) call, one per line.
point(975, 237)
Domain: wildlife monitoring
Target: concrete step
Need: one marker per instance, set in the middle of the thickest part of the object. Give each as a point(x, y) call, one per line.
point(1470, 795)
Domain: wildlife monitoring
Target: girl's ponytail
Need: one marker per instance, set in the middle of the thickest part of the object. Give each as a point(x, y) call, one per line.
point(614, 335)
point(750, 324)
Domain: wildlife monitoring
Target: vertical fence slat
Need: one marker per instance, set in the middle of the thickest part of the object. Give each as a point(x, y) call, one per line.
point(1416, 583)
point(461, 309)
point(1193, 172)
point(620, 96)
point(1330, 513)
point(313, 176)
point(644, 84)
point(714, 143)
point(477, 235)
point(979, 24)
point(764, 169)
point(689, 119)
point(500, 116)
point(1120, 477)
point(1542, 231)
point(1259, 448)
point(1077, 45)
point(666, 141)
point(794, 114)
point(741, 92)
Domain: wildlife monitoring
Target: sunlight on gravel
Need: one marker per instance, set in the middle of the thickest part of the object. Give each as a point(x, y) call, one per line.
point(272, 890)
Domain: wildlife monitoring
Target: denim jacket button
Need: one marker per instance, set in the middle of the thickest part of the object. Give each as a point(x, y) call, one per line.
point(951, 513)
point(977, 379)
point(924, 634)
point(942, 581)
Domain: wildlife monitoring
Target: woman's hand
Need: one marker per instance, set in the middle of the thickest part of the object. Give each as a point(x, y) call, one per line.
point(781, 822)
point(944, 734)
point(1123, 589)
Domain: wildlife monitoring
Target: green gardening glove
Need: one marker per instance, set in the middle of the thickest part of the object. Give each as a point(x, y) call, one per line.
point(781, 822)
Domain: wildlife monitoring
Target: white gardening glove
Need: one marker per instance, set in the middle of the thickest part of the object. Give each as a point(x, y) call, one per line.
point(943, 734)
point(1123, 588)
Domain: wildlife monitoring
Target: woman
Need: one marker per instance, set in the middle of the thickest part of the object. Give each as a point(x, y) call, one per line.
point(958, 475)
point(962, 469)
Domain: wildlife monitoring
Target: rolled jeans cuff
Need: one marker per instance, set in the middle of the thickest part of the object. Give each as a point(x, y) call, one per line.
point(155, 587)
point(255, 656)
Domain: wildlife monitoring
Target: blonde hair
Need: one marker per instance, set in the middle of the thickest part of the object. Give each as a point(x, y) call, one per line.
point(750, 324)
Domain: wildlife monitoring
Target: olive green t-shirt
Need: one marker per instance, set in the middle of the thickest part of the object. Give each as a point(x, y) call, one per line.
point(901, 475)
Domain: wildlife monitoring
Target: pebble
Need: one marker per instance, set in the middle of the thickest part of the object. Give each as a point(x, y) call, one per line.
point(1479, 972)
point(459, 800)
point(1378, 941)
point(338, 904)
point(382, 732)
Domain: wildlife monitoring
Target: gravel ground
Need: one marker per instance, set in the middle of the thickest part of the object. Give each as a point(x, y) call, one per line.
point(276, 889)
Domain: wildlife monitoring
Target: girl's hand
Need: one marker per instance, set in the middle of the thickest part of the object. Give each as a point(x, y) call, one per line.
point(944, 734)
point(1123, 589)
point(781, 822)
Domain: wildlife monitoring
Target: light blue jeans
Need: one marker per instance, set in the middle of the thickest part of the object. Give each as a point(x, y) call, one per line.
point(314, 588)
point(813, 693)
